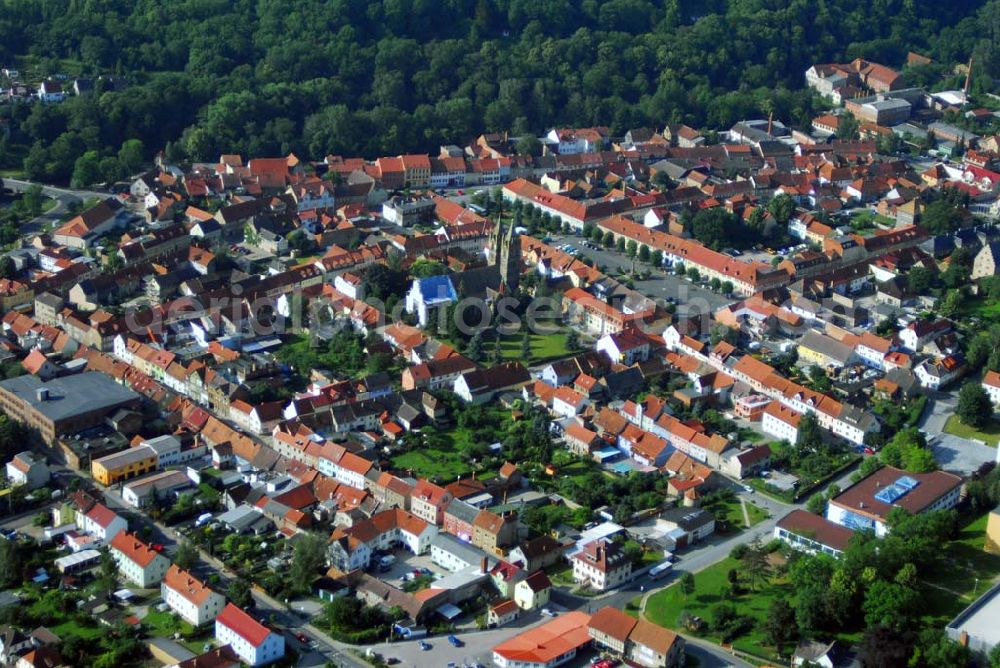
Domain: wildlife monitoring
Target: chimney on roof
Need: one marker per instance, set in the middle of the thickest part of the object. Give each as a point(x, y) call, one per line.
point(483, 565)
point(42, 394)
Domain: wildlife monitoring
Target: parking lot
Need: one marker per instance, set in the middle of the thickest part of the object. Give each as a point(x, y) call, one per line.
point(477, 647)
point(407, 562)
point(691, 299)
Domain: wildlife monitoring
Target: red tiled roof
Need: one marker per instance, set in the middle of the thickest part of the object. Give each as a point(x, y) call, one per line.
point(243, 625)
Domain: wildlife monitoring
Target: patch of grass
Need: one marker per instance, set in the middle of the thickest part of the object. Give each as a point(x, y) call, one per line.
point(966, 561)
point(544, 347)
point(433, 463)
point(755, 513)
point(665, 607)
point(989, 434)
point(165, 624)
point(72, 628)
point(562, 576)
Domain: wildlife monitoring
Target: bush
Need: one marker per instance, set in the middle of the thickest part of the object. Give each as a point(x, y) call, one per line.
point(738, 551)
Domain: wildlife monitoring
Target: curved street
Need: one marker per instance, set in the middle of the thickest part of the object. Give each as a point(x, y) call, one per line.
point(63, 197)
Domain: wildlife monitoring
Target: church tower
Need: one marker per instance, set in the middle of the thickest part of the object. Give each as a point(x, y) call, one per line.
point(510, 260)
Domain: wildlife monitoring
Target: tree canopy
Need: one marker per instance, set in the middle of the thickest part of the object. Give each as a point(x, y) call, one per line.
point(382, 77)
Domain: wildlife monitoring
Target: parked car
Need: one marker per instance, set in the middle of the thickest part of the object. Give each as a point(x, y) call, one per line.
point(548, 612)
point(302, 638)
point(424, 646)
point(455, 642)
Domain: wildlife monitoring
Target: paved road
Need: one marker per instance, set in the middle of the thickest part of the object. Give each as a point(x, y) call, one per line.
point(64, 197)
point(326, 649)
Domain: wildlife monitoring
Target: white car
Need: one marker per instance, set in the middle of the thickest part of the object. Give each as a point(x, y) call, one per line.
point(548, 613)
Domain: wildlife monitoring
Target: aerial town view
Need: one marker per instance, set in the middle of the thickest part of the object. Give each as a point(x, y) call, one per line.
point(511, 333)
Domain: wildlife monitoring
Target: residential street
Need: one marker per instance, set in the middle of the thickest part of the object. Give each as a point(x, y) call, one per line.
point(63, 197)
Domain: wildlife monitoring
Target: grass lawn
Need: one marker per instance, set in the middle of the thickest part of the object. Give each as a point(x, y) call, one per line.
point(665, 607)
point(561, 576)
point(755, 513)
point(732, 513)
point(544, 347)
point(965, 561)
point(989, 434)
point(165, 624)
point(433, 463)
point(71, 628)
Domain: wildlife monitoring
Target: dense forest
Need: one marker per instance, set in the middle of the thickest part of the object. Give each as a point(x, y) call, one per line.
point(367, 77)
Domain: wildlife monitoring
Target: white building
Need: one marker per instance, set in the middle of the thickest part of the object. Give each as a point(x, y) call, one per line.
point(102, 523)
point(190, 598)
point(27, 469)
point(256, 644)
point(601, 565)
point(780, 421)
point(144, 491)
point(991, 383)
point(138, 563)
point(865, 505)
point(626, 347)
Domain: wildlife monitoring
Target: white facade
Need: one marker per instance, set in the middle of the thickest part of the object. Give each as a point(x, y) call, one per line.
point(196, 614)
point(146, 576)
point(779, 428)
point(271, 649)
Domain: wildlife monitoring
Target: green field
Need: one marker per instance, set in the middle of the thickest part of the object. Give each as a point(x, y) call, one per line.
point(965, 562)
point(433, 463)
point(989, 434)
point(544, 347)
point(665, 607)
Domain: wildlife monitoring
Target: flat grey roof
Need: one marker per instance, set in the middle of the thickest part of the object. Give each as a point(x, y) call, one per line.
point(464, 551)
point(979, 620)
point(70, 395)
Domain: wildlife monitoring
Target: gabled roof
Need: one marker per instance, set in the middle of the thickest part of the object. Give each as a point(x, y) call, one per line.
point(243, 625)
point(186, 585)
point(134, 549)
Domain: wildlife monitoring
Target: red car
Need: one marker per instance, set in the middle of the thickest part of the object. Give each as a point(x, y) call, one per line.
point(606, 663)
point(157, 547)
point(302, 638)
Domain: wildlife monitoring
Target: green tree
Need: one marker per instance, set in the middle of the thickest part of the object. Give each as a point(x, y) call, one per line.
point(779, 625)
point(687, 583)
point(974, 407)
point(816, 505)
point(86, 170)
point(7, 267)
point(754, 564)
point(239, 593)
point(890, 605)
point(782, 207)
point(572, 340)
point(631, 247)
point(308, 557)
point(11, 563)
point(107, 573)
point(919, 280)
point(941, 217)
point(526, 346)
point(130, 156)
point(474, 351)
point(847, 128)
point(186, 556)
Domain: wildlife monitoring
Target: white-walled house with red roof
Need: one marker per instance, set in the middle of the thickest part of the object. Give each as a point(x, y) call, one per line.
point(190, 598)
point(256, 644)
point(138, 563)
point(102, 523)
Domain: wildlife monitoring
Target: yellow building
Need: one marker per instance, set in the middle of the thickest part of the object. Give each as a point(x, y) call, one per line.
point(124, 465)
point(993, 531)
